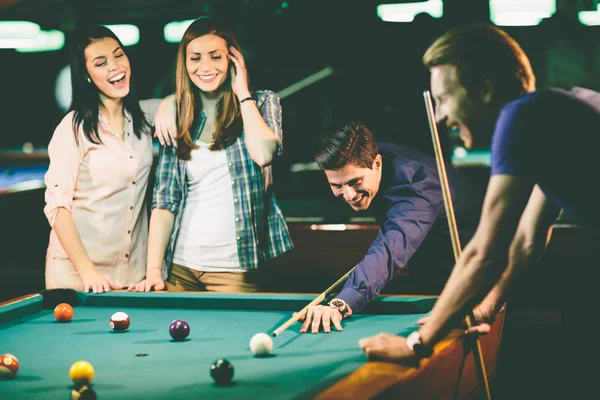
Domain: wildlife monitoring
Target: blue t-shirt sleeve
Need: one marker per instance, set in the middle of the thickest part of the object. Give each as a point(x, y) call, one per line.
point(511, 150)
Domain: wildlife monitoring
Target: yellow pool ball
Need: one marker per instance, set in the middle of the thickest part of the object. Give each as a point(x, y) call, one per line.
point(81, 372)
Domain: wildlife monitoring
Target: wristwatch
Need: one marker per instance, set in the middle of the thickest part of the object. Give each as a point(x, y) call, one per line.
point(341, 306)
point(415, 344)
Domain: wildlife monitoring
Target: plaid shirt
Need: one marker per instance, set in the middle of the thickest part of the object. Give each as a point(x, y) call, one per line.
point(261, 231)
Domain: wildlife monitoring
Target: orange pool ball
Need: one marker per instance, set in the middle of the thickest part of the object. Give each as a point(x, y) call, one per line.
point(81, 373)
point(63, 312)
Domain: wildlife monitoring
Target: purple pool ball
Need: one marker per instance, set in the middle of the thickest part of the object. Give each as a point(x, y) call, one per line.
point(179, 330)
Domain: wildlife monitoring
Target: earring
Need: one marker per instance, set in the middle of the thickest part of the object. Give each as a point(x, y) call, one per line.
point(87, 78)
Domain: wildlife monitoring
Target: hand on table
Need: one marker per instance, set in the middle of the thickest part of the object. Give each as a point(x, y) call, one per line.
point(153, 280)
point(387, 347)
point(97, 283)
point(165, 121)
point(321, 315)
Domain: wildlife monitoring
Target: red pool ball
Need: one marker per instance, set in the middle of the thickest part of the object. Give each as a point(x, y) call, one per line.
point(9, 365)
point(119, 322)
point(179, 330)
point(63, 312)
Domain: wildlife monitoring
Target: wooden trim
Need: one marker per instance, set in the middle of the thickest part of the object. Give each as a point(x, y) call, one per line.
point(18, 299)
point(342, 227)
point(433, 378)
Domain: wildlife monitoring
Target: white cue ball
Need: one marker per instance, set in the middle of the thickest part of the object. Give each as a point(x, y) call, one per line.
point(261, 345)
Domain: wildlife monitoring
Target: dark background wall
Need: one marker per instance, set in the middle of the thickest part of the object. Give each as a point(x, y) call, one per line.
point(378, 77)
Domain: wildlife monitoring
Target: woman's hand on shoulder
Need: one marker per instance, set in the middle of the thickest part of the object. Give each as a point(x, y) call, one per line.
point(165, 121)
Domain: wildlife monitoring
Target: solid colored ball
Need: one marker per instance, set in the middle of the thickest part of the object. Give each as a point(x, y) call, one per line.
point(179, 330)
point(81, 373)
point(9, 366)
point(221, 371)
point(261, 345)
point(63, 312)
point(119, 321)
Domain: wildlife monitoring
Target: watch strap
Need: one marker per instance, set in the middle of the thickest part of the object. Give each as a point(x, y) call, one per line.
point(415, 343)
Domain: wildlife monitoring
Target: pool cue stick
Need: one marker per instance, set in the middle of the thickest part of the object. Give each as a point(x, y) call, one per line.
point(439, 158)
point(317, 300)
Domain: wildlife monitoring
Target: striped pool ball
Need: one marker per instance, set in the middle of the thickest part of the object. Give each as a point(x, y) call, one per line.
point(9, 365)
point(119, 322)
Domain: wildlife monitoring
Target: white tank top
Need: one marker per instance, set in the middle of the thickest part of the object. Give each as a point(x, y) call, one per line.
point(207, 238)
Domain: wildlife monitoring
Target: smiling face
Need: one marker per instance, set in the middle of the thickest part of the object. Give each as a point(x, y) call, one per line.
point(207, 62)
point(108, 68)
point(356, 185)
point(456, 108)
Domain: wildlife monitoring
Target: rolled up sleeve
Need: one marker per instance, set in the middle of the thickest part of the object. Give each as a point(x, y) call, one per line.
point(65, 156)
point(408, 221)
point(270, 109)
point(167, 188)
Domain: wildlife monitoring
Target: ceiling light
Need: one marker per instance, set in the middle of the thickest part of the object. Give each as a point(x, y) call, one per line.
point(173, 31)
point(128, 34)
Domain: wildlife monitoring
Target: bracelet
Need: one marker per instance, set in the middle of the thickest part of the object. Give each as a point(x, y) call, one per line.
point(151, 268)
point(248, 99)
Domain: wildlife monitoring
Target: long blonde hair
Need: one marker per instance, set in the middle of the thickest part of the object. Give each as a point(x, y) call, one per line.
point(228, 124)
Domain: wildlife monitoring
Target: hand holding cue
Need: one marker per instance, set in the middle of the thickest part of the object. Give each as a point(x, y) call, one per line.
point(452, 227)
point(317, 300)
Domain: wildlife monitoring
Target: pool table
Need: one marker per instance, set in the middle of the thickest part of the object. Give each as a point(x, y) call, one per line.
point(25, 177)
point(145, 363)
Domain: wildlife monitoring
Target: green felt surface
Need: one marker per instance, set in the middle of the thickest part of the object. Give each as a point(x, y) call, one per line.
point(221, 327)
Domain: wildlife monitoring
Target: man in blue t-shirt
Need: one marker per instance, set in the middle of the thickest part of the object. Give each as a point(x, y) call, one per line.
point(550, 137)
point(545, 158)
point(401, 188)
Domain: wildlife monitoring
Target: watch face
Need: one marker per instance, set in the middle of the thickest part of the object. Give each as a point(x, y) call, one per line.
point(339, 304)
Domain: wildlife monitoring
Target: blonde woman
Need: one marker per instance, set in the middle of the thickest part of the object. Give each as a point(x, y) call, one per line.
point(215, 220)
